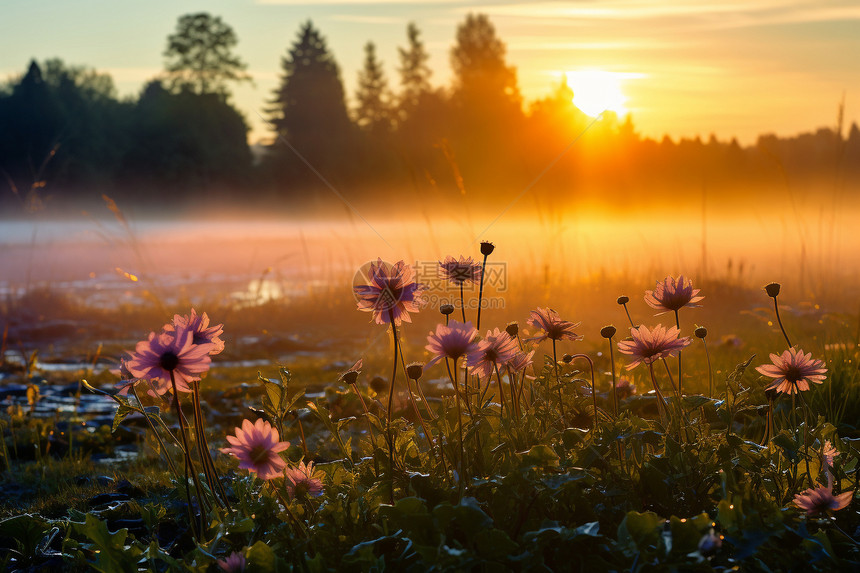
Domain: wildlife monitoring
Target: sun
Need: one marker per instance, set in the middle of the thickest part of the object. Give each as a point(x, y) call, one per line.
point(596, 91)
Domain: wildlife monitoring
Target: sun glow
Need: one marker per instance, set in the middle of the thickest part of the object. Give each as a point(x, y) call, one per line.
point(596, 91)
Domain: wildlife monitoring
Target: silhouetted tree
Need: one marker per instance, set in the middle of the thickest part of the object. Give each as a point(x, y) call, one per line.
point(199, 55)
point(414, 71)
point(309, 111)
point(374, 110)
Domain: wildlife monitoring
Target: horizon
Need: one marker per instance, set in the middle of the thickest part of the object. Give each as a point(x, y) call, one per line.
point(681, 70)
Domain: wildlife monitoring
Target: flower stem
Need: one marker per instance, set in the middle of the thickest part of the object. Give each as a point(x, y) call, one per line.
point(665, 411)
point(558, 382)
point(628, 315)
point(779, 320)
point(680, 375)
point(462, 303)
point(593, 389)
point(614, 382)
point(452, 374)
point(390, 407)
point(369, 426)
point(710, 370)
point(189, 468)
point(157, 435)
point(480, 292)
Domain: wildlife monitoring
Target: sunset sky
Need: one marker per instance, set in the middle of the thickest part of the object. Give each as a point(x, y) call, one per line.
point(683, 68)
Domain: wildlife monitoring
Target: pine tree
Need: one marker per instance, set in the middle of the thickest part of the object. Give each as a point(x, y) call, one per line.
point(308, 110)
point(414, 71)
point(373, 95)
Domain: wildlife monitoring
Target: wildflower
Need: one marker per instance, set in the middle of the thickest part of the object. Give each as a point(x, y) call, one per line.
point(391, 293)
point(793, 371)
point(625, 388)
point(303, 480)
point(257, 446)
point(672, 294)
point(553, 326)
point(198, 324)
point(821, 499)
point(497, 348)
point(234, 564)
point(650, 345)
point(520, 361)
point(462, 271)
point(452, 341)
point(351, 375)
point(828, 452)
point(173, 352)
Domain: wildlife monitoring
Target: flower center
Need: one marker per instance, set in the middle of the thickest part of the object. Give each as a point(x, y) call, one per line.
point(259, 454)
point(169, 361)
point(793, 374)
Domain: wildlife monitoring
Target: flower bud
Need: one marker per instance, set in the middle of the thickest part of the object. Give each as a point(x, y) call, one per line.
point(446, 309)
point(608, 331)
point(700, 332)
point(567, 358)
point(513, 329)
point(349, 377)
point(772, 290)
point(487, 248)
point(415, 370)
point(623, 299)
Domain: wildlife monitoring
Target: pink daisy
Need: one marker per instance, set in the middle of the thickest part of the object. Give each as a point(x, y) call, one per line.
point(257, 446)
point(553, 326)
point(155, 358)
point(462, 271)
point(234, 564)
point(520, 361)
point(391, 292)
point(672, 294)
point(198, 324)
point(821, 499)
point(496, 349)
point(452, 341)
point(303, 480)
point(793, 371)
point(650, 345)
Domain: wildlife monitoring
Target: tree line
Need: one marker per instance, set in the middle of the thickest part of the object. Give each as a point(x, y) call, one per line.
point(64, 133)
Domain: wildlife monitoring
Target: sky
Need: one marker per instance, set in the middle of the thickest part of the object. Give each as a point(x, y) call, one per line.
point(683, 68)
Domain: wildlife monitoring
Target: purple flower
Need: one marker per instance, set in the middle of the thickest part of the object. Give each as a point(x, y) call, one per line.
point(174, 352)
point(234, 564)
point(553, 326)
point(391, 293)
point(257, 446)
point(520, 361)
point(496, 349)
point(459, 272)
point(198, 324)
point(821, 499)
point(452, 341)
point(793, 371)
point(672, 294)
point(650, 345)
point(303, 480)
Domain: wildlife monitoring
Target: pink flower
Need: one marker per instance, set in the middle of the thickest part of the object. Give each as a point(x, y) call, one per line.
point(672, 294)
point(625, 388)
point(452, 341)
point(828, 452)
point(650, 345)
point(234, 564)
point(198, 324)
point(496, 349)
point(520, 361)
point(303, 480)
point(391, 293)
point(174, 352)
point(821, 499)
point(257, 446)
point(553, 326)
point(459, 272)
point(793, 371)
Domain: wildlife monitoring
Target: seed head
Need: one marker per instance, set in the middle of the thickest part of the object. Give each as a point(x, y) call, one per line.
point(623, 299)
point(567, 358)
point(487, 248)
point(349, 377)
point(772, 290)
point(608, 331)
point(446, 309)
point(513, 329)
point(701, 332)
point(415, 370)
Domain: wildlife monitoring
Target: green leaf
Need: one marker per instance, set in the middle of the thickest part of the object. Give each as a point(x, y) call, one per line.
point(121, 413)
point(261, 558)
point(111, 552)
point(540, 455)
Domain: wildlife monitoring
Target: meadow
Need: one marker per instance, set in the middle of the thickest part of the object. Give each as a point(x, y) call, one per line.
point(317, 437)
